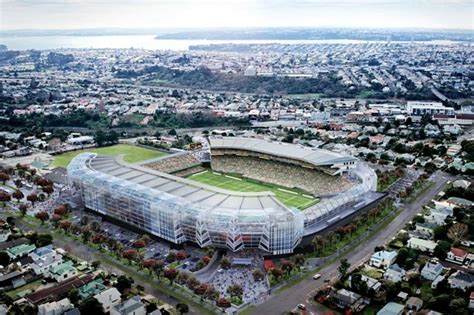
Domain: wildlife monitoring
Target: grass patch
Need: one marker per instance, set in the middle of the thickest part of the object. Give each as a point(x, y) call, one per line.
point(27, 287)
point(132, 153)
point(293, 198)
point(248, 310)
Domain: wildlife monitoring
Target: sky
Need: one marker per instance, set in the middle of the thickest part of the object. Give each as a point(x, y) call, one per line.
point(82, 14)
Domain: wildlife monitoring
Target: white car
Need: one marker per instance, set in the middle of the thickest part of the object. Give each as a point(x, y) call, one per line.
point(301, 306)
point(316, 276)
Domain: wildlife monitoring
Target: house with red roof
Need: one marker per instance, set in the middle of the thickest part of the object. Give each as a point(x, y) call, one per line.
point(456, 255)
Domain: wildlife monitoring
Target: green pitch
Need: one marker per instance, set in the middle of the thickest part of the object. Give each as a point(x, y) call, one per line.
point(132, 153)
point(292, 198)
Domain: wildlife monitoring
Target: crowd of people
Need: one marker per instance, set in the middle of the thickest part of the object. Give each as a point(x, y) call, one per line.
point(242, 275)
point(175, 164)
point(287, 175)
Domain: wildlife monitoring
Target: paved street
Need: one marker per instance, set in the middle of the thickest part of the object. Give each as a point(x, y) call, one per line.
point(89, 254)
point(301, 292)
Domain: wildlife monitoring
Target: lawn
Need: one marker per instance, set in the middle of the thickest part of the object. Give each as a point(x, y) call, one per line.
point(29, 287)
point(132, 154)
point(292, 198)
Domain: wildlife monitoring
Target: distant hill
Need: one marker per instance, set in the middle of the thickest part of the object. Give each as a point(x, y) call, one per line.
point(321, 34)
point(3, 47)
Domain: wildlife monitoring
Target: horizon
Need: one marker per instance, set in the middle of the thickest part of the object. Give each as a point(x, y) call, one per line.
point(19, 15)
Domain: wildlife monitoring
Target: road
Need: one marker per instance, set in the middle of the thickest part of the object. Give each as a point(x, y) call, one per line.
point(86, 253)
point(303, 291)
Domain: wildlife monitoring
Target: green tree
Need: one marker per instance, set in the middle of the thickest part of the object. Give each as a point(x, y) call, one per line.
point(344, 268)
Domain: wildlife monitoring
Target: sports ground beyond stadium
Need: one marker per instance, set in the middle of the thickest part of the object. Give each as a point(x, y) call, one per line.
point(132, 154)
point(293, 198)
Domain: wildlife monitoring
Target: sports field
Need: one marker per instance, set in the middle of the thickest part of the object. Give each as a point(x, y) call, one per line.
point(292, 198)
point(132, 153)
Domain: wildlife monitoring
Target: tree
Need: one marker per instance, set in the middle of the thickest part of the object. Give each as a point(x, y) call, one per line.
point(65, 225)
point(225, 262)
point(74, 296)
point(316, 241)
point(170, 274)
point(95, 264)
point(48, 190)
point(91, 306)
point(4, 177)
point(182, 308)
point(343, 268)
point(223, 302)
point(129, 254)
point(23, 209)
point(258, 275)
point(124, 283)
point(150, 264)
point(211, 293)
point(457, 232)
point(287, 266)
point(192, 282)
point(18, 195)
point(4, 197)
point(32, 198)
point(276, 272)
point(442, 249)
point(4, 259)
point(235, 290)
point(42, 216)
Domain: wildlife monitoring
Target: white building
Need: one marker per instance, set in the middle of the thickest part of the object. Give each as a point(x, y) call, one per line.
point(431, 271)
point(428, 108)
point(383, 259)
point(108, 298)
point(55, 308)
point(422, 245)
point(44, 258)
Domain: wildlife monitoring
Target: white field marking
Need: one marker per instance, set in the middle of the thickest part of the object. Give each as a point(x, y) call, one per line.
point(231, 177)
point(216, 173)
point(288, 191)
point(199, 173)
point(308, 196)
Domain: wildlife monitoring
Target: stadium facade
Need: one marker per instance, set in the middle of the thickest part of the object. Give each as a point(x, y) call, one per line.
point(181, 210)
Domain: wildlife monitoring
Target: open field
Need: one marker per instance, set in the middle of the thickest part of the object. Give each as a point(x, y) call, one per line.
point(292, 198)
point(132, 153)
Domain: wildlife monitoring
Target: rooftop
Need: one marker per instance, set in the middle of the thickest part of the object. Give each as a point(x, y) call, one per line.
point(317, 157)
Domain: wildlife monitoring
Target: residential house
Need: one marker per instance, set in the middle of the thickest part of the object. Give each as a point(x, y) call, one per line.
point(422, 245)
point(20, 251)
point(457, 255)
point(431, 271)
point(371, 282)
point(438, 216)
point(435, 282)
point(92, 288)
point(108, 298)
point(4, 234)
point(461, 280)
point(414, 304)
point(62, 271)
point(13, 279)
point(391, 308)
point(383, 259)
point(394, 273)
point(344, 298)
point(132, 306)
point(425, 229)
point(55, 308)
point(44, 258)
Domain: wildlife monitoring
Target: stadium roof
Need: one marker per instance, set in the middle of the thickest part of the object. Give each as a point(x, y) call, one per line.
point(317, 157)
point(189, 190)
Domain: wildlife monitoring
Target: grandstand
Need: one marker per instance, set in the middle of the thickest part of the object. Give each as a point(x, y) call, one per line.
point(180, 164)
point(223, 210)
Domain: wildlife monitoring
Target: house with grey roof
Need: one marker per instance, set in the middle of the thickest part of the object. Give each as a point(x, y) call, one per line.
point(394, 273)
point(461, 280)
point(431, 271)
point(132, 306)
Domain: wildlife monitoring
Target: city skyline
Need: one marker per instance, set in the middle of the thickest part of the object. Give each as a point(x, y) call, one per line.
point(88, 14)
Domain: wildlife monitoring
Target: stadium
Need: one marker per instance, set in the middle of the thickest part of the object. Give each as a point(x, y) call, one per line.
point(234, 193)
